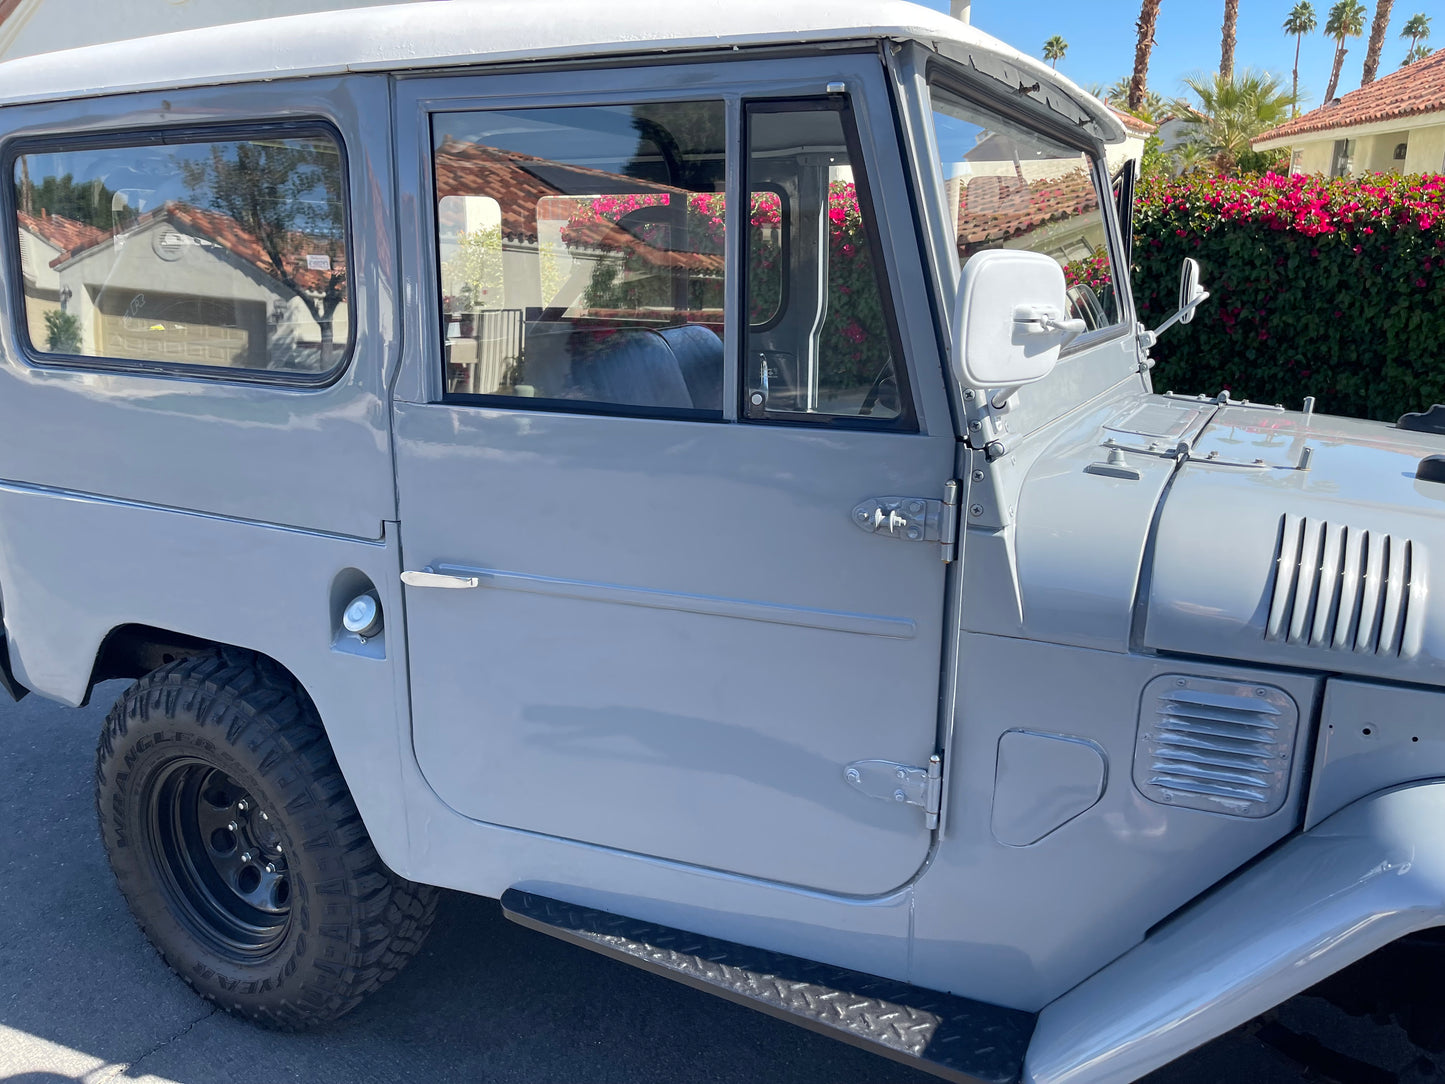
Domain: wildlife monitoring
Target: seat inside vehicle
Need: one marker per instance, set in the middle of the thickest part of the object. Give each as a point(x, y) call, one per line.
point(676, 368)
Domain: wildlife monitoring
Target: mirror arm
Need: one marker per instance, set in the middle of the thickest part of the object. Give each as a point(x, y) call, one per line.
point(1000, 399)
point(1148, 338)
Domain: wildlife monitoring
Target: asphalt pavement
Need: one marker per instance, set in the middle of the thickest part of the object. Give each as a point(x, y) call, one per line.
point(83, 998)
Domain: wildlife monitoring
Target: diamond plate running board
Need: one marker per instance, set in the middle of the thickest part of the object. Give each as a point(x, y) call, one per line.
point(952, 1037)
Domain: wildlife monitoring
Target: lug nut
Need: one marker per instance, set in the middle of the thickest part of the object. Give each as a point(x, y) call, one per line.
point(243, 805)
point(246, 857)
point(270, 867)
point(264, 817)
point(232, 826)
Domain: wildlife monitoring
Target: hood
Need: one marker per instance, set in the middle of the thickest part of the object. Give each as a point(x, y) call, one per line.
point(1303, 540)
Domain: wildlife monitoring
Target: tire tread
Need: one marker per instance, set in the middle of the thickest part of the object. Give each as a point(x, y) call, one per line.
point(259, 706)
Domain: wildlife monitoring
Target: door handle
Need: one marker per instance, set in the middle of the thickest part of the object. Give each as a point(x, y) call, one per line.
point(430, 577)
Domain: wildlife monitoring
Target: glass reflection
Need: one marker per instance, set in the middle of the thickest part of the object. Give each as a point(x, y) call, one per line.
point(1008, 187)
point(581, 253)
point(220, 255)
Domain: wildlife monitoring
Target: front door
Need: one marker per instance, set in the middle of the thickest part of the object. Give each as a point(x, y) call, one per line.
point(647, 618)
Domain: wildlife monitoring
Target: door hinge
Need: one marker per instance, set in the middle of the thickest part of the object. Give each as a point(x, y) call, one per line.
point(903, 783)
point(915, 519)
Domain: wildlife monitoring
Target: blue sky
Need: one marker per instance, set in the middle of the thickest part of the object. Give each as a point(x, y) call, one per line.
point(1101, 37)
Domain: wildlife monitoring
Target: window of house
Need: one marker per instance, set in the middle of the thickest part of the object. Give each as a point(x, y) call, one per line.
point(218, 255)
point(1342, 160)
point(828, 353)
point(1009, 187)
point(581, 254)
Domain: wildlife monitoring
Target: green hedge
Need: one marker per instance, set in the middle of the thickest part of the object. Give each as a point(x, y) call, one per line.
point(1328, 288)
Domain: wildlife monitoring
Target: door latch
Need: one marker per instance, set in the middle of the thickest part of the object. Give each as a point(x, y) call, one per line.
point(901, 783)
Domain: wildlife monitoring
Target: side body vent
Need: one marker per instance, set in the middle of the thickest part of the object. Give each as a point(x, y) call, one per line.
point(1343, 589)
point(1215, 745)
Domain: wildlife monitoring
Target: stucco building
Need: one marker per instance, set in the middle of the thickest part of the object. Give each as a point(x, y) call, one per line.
point(1394, 125)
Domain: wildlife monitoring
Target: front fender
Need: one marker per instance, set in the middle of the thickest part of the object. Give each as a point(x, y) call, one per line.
point(1365, 877)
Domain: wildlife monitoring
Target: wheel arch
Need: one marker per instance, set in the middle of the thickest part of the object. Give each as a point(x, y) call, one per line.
point(363, 739)
point(133, 650)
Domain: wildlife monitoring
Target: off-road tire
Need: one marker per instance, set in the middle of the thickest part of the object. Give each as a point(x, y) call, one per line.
point(344, 923)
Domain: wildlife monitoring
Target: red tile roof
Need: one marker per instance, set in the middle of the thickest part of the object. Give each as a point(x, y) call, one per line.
point(229, 234)
point(473, 169)
point(995, 210)
point(293, 247)
point(1413, 91)
point(1133, 123)
point(60, 232)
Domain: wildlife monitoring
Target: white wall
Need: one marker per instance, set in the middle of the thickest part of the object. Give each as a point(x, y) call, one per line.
point(1427, 150)
point(1315, 157)
point(40, 26)
point(1375, 153)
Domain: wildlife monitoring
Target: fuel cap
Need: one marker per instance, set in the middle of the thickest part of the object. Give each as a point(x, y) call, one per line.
point(362, 616)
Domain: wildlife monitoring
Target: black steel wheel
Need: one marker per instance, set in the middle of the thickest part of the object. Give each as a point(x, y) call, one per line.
point(239, 849)
point(220, 857)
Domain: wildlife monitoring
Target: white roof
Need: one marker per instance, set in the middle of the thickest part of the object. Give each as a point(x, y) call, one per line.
point(444, 33)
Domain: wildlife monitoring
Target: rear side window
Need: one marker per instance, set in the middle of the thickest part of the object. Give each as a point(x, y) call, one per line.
point(219, 254)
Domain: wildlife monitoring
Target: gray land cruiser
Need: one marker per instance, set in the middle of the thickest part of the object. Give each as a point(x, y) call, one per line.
point(696, 478)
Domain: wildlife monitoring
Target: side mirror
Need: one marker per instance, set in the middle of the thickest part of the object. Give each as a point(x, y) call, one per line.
point(1191, 294)
point(1011, 321)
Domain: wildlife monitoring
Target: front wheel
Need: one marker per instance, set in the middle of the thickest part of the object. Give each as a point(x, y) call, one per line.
point(238, 847)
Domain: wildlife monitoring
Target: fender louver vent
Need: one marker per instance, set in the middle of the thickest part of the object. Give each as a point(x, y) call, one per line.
point(1347, 590)
point(1215, 745)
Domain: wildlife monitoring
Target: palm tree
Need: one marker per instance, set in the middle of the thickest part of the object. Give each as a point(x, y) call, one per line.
point(1231, 112)
point(1148, 23)
point(1055, 49)
point(1377, 40)
point(1420, 52)
point(1226, 51)
point(1417, 30)
point(1190, 157)
point(1300, 21)
point(1346, 20)
point(1153, 110)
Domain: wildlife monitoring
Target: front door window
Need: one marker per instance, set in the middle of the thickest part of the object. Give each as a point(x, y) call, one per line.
point(581, 255)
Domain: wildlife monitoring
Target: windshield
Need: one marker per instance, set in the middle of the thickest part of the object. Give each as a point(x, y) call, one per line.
point(1009, 187)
